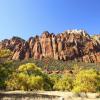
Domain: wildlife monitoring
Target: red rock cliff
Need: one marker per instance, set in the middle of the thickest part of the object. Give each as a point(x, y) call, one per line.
point(69, 45)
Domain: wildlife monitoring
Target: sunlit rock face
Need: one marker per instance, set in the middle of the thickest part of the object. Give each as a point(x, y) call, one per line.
point(97, 37)
point(69, 45)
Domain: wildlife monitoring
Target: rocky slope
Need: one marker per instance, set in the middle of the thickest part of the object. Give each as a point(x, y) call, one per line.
point(69, 45)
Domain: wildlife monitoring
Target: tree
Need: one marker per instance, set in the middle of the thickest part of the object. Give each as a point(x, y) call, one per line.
point(28, 77)
point(6, 69)
point(87, 81)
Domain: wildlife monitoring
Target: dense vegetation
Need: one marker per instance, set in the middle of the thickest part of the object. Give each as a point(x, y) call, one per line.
point(48, 74)
point(87, 81)
point(5, 53)
point(28, 77)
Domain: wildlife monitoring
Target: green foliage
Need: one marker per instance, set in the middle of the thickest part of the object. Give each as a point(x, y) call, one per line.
point(6, 69)
point(30, 69)
point(49, 63)
point(54, 65)
point(55, 77)
point(36, 83)
point(24, 82)
point(28, 77)
point(5, 53)
point(87, 81)
point(64, 83)
point(48, 85)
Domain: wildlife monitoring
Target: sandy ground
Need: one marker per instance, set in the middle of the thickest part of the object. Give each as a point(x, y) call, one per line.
point(63, 95)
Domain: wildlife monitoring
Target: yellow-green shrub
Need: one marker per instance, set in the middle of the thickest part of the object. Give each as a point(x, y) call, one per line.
point(87, 81)
point(5, 53)
point(64, 83)
point(28, 77)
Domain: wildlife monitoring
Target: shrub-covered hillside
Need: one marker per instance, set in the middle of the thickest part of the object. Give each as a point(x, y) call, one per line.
point(30, 77)
point(48, 74)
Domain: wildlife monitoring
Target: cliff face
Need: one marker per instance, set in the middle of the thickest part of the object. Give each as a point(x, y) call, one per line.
point(69, 45)
point(97, 37)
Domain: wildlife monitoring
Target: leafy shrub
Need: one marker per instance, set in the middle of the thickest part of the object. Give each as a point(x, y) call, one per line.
point(55, 77)
point(87, 81)
point(30, 69)
point(64, 83)
point(5, 53)
point(6, 69)
point(28, 77)
point(53, 65)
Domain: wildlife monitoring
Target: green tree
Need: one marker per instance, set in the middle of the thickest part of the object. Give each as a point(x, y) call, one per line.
point(28, 77)
point(55, 77)
point(6, 69)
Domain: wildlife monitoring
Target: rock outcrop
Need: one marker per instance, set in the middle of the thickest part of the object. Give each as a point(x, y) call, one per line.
point(97, 37)
point(69, 45)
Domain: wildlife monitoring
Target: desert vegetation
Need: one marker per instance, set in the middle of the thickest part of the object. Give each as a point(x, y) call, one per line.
point(48, 74)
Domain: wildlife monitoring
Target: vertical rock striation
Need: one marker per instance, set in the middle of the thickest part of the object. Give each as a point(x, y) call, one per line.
point(69, 45)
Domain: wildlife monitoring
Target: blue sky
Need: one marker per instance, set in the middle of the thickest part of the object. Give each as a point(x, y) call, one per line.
point(27, 18)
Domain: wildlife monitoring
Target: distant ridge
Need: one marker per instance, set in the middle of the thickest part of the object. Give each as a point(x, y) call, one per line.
point(69, 45)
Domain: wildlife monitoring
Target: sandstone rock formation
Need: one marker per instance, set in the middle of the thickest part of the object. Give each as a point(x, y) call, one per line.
point(69, 45)
point(97, 37)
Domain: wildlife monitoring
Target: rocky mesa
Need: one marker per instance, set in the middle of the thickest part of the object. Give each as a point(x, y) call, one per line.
point(70, 45)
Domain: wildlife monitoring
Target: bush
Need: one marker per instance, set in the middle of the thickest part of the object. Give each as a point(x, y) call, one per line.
point(87, 81)
point(5, 53)
point(55, 77)
point(30, 69)
point(6, 69)
point(30, 82)
point(64, 83)
point(28, 77)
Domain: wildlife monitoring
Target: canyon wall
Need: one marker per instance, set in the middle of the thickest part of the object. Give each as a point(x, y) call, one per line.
point(70, 45)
